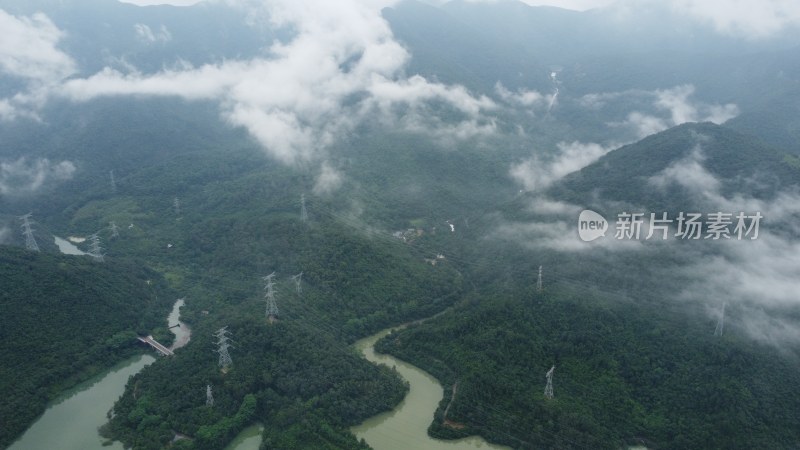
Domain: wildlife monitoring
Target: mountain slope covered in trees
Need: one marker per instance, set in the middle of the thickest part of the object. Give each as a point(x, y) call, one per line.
point(65, 318)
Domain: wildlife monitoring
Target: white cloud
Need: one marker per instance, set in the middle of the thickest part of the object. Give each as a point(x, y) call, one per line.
point(690, 173)
point(672, 107)
point(539, 172)
point(328, 180)
point(28, 51)
point(145, 34)
point(22, 177)
point(760, 277)
point(522, 97)
point(342, 66)
point(751, 18)
point(560, 235)
point(547, 207)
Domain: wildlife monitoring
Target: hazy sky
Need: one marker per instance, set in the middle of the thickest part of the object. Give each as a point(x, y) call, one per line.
point(162, 2)
point(571, 4)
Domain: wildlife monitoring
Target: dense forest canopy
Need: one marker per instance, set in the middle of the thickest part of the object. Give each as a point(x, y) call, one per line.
point(411, 160)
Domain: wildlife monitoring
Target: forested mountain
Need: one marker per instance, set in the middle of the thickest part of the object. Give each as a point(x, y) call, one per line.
point(411, 160)
point(617, 381)
point(65, 318)
point(732, 163)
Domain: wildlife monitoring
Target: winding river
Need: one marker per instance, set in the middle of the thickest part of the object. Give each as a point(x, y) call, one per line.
point(72, 420)
point(406, 426)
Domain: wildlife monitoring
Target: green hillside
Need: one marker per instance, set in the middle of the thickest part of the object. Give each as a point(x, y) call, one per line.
point(66, 318)
point(626, 374)
point(740, 163)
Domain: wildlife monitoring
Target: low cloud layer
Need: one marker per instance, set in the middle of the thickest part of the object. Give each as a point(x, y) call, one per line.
point(342, 66)
point(540, 172)
point(674, 105)
point(145, 34)
point(758, 278)
point(750, 18)
point(29, 50)
point(328, 180)
point(23, 177)
point(753, 19)
point(688, 173)
point(29, 53)
point(668, 108)
point(761, 277)
point(529, 99)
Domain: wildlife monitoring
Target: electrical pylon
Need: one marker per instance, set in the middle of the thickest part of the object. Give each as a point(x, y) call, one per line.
point(269, 297)
point(30, 240)
point(548, 390)
point(720, 322)
point(95, 250)
point(298, 279)
point(539, 281)
point(209, 396)
point(223, 344)
point(113, 182)
point(303, 211)
point(176, 203)
point(114, 229)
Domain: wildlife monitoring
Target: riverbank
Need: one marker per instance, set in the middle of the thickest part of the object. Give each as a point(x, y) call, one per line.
point(72, 420)
point(406, 426)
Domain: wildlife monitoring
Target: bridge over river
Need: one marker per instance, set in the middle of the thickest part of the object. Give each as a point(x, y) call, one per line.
point(153, 343)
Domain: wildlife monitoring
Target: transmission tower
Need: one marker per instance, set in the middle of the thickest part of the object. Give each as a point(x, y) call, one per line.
point(539, 281)
point(720, 322)
point(114, 229)
point(177, 205)
point(269, 296)
point(95, 250)
point(298, 279)
point(548, 390)
point(30, 241)
point(209, 396)
point(223, 344)
point(303, 211)
point(113, 182)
